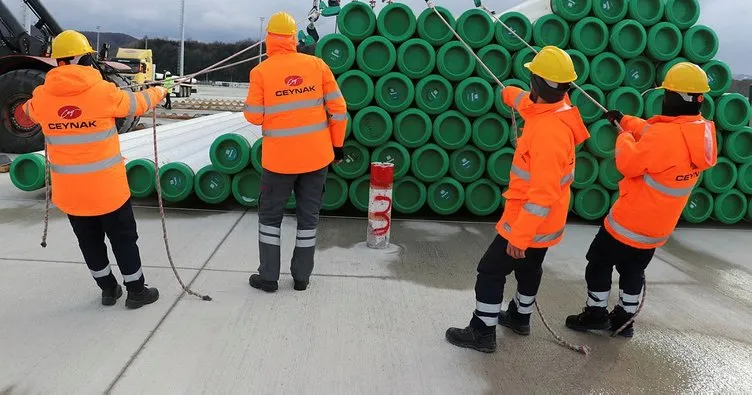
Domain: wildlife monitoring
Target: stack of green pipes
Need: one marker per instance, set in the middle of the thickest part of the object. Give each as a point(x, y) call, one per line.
point(423, 103)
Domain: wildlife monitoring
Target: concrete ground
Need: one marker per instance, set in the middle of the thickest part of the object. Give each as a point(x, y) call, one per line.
point(372, 322)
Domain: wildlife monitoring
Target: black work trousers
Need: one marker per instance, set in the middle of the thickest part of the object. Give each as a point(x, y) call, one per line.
point(494, 267)
point(604, 254)
point(120, 228)
point(275, 192)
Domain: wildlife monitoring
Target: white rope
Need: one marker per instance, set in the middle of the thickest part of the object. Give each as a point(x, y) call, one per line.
point(515, 134)
point(591, 98)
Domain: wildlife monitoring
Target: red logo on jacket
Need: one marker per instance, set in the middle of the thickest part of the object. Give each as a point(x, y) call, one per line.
point(294, 80)
point(69, 112)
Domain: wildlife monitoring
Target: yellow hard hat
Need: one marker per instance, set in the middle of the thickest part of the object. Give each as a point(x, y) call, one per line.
point(686, 77)
point(553, 64)
point(69, 44)
point(282, 23)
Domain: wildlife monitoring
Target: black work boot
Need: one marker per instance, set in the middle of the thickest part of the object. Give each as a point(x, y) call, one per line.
point(483, 340)
point(591, 318)
point(300, 285)
point(519, 323)
point(138, 299)
point(620, 317)
point(264, 285)
point(111, 295)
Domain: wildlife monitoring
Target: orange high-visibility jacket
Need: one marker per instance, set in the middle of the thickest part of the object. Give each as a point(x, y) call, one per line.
point(542, 171)
point(299, 105)
point(661, 160)
point(76, 109)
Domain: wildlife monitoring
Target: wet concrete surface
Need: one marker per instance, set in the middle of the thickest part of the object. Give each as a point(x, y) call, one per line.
point(372, 322)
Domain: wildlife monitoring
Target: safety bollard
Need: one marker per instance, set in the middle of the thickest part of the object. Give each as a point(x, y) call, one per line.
point(380, 205)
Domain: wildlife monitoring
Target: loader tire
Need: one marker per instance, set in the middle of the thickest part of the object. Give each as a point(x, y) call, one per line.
point(18, 134)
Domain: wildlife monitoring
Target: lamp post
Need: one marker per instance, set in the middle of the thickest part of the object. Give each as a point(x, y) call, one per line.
point(98, 27)
point(181, 57)
point(261, 37)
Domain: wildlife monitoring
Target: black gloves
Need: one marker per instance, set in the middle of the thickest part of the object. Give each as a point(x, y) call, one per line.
point(339, 154)
point(614, 116)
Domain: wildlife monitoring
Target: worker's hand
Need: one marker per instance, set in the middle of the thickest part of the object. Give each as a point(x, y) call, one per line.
point(615, 117)
point(339, 155)
point(515, 252)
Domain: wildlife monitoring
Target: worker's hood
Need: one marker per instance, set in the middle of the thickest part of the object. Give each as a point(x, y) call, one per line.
point(70, 80)
point(564, 111)
point(278, 44)
point(699, 136)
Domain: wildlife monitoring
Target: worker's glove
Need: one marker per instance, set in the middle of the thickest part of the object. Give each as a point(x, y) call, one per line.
point(615, 117)
point(339, 154)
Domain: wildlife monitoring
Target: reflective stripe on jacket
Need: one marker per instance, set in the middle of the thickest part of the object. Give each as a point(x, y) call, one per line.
point(76, 109)
point(299, 105)
point(542, 171)
point(661, 160)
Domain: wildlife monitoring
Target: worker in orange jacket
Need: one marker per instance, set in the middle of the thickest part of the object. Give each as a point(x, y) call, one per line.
point(661, 160)
point(304, 117)
point(537, 201)
point(76, 109)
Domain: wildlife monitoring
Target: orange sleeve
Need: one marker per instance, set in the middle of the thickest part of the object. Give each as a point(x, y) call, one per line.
point(513, 96)
point(28, 108)
point(127, 103)
point(254, 103)
point(634, 125)
point(548, 157)
point(335, 107)
point(635, 158)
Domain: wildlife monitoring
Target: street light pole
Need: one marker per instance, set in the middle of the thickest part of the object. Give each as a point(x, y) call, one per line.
point(261, 37)
point(181, 57)
point(98, 27)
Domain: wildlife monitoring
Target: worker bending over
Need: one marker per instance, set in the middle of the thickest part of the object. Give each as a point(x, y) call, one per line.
point(661, 160)
point(303, 116)
point(537, 201)
point(76, 109)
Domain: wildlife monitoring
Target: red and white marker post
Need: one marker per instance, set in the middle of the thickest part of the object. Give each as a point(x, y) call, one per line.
point(380, 205)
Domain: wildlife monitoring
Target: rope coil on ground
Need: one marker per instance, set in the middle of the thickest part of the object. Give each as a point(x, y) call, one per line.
point(162, 215)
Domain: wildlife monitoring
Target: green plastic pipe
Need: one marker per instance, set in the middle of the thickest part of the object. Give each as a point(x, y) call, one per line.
point(719, 77)
point(647, 12)
point(376, 56)
point(429, 163)
point(551, 29)
point(27, 172)
point(335, 193)
point(357, 88)
point(608, 175)
point(409, 195)
point(610, 11)
point(446, 196)
point(738, 146)
point(372, 126)
point(585, 170)
point(142, 177)
point(607, 71)
point(475, 27)
point(592, 202)
point(416, 58)
point(699, 206)
point(590, 36)
point(628, 39)
point(434, 94)
point(722, 177)
point(497, 59)
point(732, 112)
point(451, 130)
point(432, 29)
point(730, 207)
point(359, 193)
point(355, 162)
point(499, 165)
point(602, 141)
point(357, 21)
point(467, 164)
point(337, 51)
point(395, 92)
point(627, 100)
point(474, 96)
point(588, 110)
point(572, 10)
point(700, 44)
point(412, 128)
point(640, 74)
point(490, 132)
point(246, 187)
point(581, 66)
point(454, 62)
point(211, 185)
point(520, 24)
point(482, 197)
point(395, 154)
point(664, 42)
point(396, 22)
point(744, 180)
point(682, 13)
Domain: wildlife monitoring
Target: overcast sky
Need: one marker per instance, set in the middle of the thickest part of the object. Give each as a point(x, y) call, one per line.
point(231, 20)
